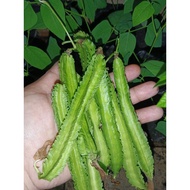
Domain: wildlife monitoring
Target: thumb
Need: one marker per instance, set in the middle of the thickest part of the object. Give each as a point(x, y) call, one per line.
point(48, 80)
point(45, 83)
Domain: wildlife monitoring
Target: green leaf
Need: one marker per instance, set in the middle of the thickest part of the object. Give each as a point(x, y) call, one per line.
point(151, 36)
point(162, 80)
point(146, 73)
point(154, 66)
point(100, 4)
point(53, 49)
point(40, 23)
point(162, 102)
point(158, 6)
point(51, 21)
point(30, 17)
point(90, 9)
point(162, 71)
point(58, 8)
point(161, 127)
point(122, 22)
point(93, 4)
point(128, 6)
point(114, 17)
point(127, 44)
point(36, 57)
point(136, 81)
point(76, 16)
point(80, 2)
point(142, 12)
point(71, 24)
point(102, 31)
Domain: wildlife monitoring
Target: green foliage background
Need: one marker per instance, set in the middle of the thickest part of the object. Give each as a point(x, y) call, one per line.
point(120, 24)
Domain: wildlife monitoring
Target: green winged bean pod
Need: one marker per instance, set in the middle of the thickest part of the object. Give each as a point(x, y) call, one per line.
point(60, 103)
point(95, 120)
point(130, 162)
point(95, 182)
point(85, 47)
point(68, 73)
point(78, 168)
point(109, 127)
point(144, 154)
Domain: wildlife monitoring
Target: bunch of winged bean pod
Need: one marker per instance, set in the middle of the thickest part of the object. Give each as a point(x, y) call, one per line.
point(98, 129)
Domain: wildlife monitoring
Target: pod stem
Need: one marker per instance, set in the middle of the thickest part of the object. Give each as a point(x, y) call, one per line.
point(150, 185)
point(49, 6)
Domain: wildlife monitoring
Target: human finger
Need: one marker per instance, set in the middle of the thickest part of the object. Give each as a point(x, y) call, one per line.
point(143, 91)
point(149, 114)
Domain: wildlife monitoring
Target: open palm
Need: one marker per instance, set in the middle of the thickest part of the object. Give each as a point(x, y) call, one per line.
point(40, 125)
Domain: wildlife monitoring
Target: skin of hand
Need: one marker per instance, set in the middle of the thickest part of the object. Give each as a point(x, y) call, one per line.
point(39, 124)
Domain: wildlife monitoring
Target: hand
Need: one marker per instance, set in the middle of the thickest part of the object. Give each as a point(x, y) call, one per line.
point(40, 126)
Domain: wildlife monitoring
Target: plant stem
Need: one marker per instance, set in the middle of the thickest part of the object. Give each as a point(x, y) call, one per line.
point(28, 36)
point(85, 18)
point(72, 12)
point(110, 56)
point(81, 15)
point(136, 57)
point(110, 41)
point(117, 46)
point(89, 30)
point(32, 3)
point(116, 50)
point(156, 36)
point(71, 40)
point(138, 29)
point(162, 27)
